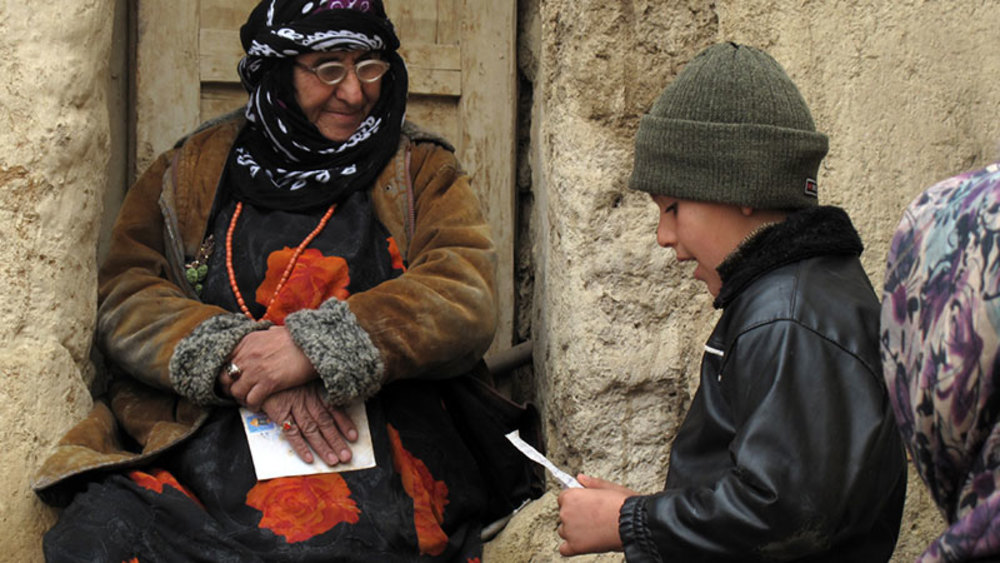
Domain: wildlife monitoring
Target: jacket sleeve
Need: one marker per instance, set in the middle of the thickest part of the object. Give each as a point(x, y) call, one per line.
point(814, 458)
point(142, 313)
point(436, 319)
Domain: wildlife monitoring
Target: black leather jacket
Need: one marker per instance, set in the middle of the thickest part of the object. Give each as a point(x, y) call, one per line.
point(789, 451)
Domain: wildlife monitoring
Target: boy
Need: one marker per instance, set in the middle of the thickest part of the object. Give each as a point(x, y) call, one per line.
point(789, 451)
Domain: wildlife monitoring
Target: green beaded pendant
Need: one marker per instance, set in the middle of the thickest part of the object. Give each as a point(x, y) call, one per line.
point(196, 270)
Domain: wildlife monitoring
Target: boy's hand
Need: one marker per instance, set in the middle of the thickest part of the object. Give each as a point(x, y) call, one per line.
point(589, 516)
point(598, 483)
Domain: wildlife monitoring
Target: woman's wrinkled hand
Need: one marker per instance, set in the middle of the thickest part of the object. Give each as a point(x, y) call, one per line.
point(309, 422)
point(268, 362)
point(588, 517)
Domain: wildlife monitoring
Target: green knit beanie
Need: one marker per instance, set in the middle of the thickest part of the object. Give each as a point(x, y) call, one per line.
point(731, 128)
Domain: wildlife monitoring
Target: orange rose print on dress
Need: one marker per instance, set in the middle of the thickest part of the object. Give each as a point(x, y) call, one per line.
point(133, 560)
point(299, 508)
point(397, 258)
point(429, 497)
point(314, 279)
point(157, 479)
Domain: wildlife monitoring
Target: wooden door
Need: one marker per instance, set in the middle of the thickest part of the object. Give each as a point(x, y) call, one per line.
point(461, 59)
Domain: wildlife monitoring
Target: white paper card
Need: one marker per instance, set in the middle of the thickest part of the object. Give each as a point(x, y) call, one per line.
point(274, 457)
point(536, 456)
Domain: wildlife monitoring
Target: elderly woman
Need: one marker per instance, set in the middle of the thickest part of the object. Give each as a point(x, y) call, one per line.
point(941, 355)
point(311, 253)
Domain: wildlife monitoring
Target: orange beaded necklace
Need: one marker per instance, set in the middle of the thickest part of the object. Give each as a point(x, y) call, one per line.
point(288, 269)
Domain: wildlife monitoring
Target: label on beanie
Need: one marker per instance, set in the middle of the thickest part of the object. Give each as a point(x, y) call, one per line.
point(812, 189)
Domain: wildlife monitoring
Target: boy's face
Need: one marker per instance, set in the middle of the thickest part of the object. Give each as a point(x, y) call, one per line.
point(700, 231)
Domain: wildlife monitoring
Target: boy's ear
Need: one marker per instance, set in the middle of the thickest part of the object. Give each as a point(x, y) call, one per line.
point(746, 211)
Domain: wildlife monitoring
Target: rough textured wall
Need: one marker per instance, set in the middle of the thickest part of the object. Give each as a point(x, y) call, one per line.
point(606, 337)
point(909, 92)
point(54, 147)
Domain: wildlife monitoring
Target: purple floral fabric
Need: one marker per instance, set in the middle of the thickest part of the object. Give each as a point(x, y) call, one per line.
point(940, 339)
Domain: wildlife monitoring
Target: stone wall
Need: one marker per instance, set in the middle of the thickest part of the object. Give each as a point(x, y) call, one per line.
point(909, 93)
point(55, 147)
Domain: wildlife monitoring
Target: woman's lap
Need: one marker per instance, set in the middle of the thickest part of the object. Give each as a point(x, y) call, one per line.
point(423, 500)
point(117, 519)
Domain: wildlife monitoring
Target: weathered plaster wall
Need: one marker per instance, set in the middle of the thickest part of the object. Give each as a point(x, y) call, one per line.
point(601, 288)
point(54, 169)
point(909, 93)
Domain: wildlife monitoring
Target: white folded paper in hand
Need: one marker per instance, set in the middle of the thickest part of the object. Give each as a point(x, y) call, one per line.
point(536, 456)
point(274, 457)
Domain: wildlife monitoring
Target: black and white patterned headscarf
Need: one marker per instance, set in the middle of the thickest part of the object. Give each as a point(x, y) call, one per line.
point(282, 161)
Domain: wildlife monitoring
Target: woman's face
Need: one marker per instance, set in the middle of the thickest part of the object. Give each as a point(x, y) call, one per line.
point(336, 110)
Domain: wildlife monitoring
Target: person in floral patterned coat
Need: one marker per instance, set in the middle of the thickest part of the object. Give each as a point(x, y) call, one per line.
point(940, 342)
point(311, 253)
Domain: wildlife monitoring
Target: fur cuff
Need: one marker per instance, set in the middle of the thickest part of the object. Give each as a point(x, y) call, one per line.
point(199, 357)
point(348, 363)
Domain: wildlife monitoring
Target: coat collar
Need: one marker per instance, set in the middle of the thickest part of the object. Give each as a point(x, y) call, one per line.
point(811, 232)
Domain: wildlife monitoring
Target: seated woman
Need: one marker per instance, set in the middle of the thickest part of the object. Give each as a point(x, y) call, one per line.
point(941, 355)
point(310, 253)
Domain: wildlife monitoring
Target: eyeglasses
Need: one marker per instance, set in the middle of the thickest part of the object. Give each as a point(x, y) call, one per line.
point(333, 72)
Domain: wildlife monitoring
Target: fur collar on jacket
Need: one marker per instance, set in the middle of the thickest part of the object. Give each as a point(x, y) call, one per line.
point(811, 232)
